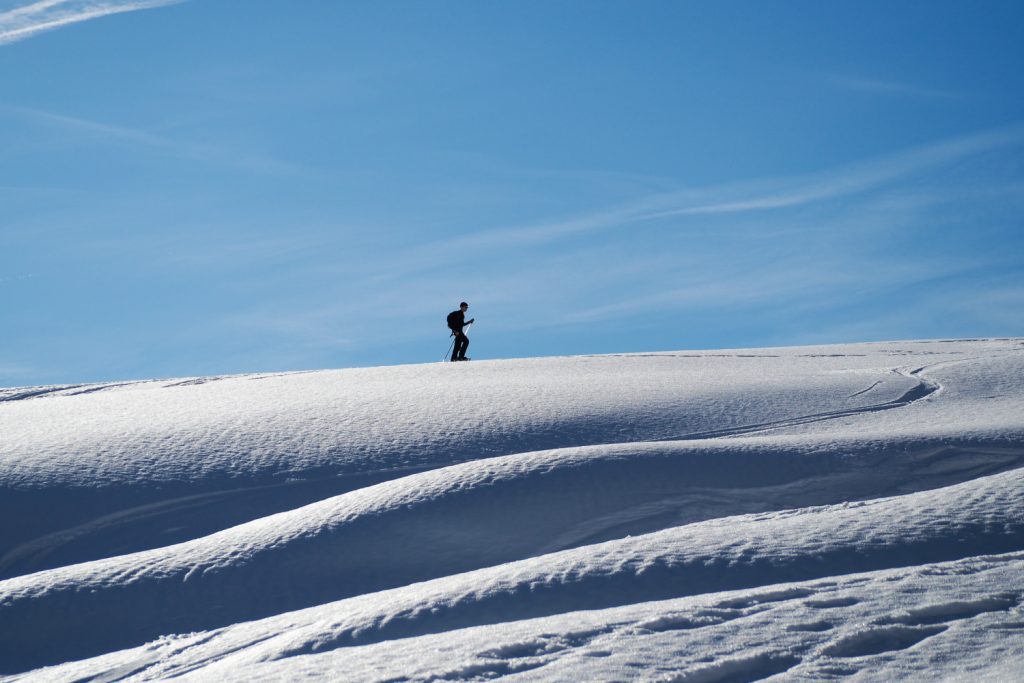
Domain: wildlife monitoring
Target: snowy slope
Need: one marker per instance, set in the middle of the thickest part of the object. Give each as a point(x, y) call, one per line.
point(705, 516)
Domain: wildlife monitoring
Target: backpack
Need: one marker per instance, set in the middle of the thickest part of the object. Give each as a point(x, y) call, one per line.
point(453, 320)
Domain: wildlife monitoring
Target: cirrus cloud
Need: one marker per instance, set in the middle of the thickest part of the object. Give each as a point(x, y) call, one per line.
point(27, 20)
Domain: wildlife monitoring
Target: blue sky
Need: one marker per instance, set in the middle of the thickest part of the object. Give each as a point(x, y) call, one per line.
point(208, 187)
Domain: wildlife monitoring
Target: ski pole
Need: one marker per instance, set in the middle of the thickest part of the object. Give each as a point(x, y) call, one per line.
point(451, 346)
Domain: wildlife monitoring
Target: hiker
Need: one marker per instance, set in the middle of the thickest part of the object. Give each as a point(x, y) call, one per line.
point(456, 321)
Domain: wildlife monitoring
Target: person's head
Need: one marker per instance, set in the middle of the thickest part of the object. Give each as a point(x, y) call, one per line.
point(464, 306)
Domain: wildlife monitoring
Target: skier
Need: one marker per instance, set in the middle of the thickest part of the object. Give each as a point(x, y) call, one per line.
point(456, 321)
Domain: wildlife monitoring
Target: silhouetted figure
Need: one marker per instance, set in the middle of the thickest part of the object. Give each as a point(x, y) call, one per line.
point(456, 321)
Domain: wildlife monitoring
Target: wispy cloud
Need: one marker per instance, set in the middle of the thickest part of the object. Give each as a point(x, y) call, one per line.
point(885, 87)
point(804, 284)
point(114, 132)
point(831, 184)
point(745, 197)
point(45, 15)
point(171, 147)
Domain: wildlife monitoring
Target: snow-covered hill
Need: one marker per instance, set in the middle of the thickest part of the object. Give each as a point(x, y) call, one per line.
point(812, 513)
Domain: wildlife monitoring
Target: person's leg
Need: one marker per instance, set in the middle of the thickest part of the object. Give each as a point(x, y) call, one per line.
point(458, 347)
point(459, 350)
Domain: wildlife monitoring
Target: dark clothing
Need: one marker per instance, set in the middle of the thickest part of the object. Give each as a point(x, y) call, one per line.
point(461, 344)
point(456, 321)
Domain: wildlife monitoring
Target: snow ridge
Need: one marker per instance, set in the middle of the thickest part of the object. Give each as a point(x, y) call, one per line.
point(591, 518)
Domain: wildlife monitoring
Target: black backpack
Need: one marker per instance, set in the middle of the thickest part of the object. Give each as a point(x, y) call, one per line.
point(453, 320)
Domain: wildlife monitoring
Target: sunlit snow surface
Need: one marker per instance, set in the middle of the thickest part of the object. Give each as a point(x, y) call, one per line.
point(807, 513)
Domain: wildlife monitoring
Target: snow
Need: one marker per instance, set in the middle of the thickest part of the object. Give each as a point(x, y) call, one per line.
point(807, 512)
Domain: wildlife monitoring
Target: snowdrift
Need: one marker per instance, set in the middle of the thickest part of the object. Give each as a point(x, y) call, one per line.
point(361, 521)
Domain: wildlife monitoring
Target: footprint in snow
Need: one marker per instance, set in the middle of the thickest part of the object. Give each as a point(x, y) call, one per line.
point(831, 603)
point(952, 611)
point(762, 598)
point(878, 640)
point(811, 626)
point(1009, 626)
point(548, 643)
point(752, 668)
point(487, 670)
point(904, 630)
point(683, 622)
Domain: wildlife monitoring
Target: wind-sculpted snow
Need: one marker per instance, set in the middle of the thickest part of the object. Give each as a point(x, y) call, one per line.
point(396, 505)
point(89, 472)
point(447, 521)
point(934, 621)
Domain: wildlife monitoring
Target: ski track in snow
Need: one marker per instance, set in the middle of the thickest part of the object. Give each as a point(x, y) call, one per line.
point(810, 512)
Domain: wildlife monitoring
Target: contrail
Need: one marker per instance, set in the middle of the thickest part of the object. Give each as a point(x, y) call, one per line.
point(45, 15)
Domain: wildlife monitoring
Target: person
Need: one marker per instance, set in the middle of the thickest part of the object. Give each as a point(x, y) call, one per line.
point(456, 321)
